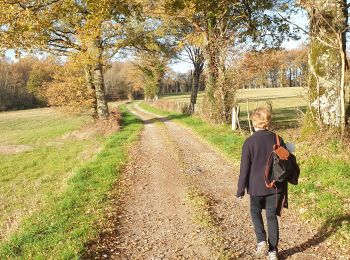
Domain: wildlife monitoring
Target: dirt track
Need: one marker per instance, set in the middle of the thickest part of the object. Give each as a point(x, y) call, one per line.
point(176, 201)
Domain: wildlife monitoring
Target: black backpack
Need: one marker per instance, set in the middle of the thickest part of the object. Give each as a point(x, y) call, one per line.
point(284, 166)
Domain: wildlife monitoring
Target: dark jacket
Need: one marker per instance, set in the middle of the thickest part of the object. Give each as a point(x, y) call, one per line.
point(255, 153)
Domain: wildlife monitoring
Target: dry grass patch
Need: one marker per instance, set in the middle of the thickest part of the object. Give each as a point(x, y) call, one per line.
point(103, 127)
point(12, 149)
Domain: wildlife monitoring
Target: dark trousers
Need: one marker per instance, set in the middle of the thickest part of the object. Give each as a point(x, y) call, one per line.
point(257, 203)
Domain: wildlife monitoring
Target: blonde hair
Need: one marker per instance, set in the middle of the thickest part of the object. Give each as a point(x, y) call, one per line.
point(261, 117)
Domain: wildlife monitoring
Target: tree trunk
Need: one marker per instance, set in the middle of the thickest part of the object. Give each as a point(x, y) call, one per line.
point(281, 77)
point(235, 117)
point(219, 90)
point(195, 54)
point(94, 75)
point(347, 114)
point(342, 82)
point(102, 107)
point(325, 61)
point(195, 87)
point(90, 82)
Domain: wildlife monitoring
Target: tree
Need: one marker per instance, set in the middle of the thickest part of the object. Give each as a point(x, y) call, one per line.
point(67, 89)
point(195, 54)
point(154, 46)
point(327, 61)
point(153, 66)
point(222, 25)
point(41, 73)
point(19, 19)
point(92, 31)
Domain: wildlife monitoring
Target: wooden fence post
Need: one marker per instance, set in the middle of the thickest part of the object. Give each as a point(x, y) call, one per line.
point(248, 115)
point(234, 118)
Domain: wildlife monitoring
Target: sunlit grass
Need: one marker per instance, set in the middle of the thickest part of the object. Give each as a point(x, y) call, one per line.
point(36, 126)
point(29, 178)
point(287, 103)
point(296, 96)
point(72, 192)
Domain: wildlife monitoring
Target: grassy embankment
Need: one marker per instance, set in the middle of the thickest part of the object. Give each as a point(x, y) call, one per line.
point(323, 193)
point(54, 190)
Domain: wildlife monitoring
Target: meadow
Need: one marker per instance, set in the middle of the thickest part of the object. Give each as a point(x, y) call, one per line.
point(36, 160)
point(288, 103)
point(259, 94)
point(55, 172)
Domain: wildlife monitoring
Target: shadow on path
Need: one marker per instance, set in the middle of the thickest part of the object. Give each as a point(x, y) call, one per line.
point(163, 119)
point(330, 227)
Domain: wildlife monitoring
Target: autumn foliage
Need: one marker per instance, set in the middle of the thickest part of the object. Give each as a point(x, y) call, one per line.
point(272, 69)
point(68, 90)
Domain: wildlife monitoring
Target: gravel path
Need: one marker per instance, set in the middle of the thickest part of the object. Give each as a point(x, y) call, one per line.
point(176, 201)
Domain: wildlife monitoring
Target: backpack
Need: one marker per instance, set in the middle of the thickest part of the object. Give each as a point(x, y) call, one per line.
point(284, 166)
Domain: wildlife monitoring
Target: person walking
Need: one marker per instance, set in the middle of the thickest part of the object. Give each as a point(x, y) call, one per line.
point(255, 153)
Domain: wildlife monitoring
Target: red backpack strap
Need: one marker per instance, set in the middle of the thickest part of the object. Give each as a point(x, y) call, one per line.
point(278, 140)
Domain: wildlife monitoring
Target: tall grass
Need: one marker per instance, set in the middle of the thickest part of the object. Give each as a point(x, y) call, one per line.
point(61, 229)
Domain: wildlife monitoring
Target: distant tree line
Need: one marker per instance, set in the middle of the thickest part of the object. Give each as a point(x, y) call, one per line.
point(273, 69)
point(269, 69)
point(123, 81)
point(32, 82)
point(174, 82)
point(20, 83)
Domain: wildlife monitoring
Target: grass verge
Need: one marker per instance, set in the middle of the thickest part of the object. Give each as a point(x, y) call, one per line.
point(61, 229)
point(323, 196)
point(323, 193)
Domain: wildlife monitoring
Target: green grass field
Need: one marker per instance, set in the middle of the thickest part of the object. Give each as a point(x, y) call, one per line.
point(293, 95)
point(286, 102)
point(36, 161)
point(55, 173)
